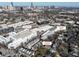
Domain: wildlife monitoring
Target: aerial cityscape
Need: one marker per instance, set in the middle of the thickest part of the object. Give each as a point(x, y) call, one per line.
point(39, 29)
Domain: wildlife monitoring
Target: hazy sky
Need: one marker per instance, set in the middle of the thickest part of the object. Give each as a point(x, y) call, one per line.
point(66, 4)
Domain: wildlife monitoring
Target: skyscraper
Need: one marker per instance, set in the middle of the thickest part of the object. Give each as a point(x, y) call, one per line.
point(32, 5)
point(12, 4)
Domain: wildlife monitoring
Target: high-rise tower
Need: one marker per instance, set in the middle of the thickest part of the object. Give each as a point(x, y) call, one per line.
point(12, 4)
point(32, 5)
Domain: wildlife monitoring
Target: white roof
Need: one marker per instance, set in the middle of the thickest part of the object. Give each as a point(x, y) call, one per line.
point(20, 23)
point(12, 33)
point(22, 34)
point(27, 26)
point(46, 43)
point(26, 35)
point(77, 22)
point(22, 37)
point(50, 32)
point(59, 28)
point(46, 34)
point(71, 22)
point(4, 40)
point(43, 28)
point(4, 26)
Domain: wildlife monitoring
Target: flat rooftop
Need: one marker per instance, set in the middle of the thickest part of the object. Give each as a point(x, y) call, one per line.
point(22, 34)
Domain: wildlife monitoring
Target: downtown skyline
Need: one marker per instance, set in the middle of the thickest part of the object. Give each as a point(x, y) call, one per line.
point(57, 4)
